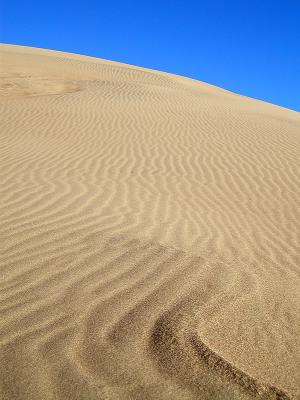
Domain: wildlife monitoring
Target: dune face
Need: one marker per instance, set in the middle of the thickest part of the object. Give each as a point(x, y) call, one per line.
point(150, 230)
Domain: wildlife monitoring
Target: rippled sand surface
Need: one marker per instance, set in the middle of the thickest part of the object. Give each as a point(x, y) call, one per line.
point(149, 234)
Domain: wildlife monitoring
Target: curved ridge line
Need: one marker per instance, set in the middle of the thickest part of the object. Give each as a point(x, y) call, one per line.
point(234, 374)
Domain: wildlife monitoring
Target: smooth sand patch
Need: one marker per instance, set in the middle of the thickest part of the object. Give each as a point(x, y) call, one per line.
point(34, 86)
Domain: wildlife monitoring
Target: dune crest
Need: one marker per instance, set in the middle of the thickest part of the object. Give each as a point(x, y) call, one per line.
point(149, 235)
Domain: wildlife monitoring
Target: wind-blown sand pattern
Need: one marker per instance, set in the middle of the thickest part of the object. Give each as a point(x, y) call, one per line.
point(149, 235)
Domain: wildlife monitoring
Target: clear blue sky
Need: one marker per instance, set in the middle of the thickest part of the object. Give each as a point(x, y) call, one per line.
point(248, 46)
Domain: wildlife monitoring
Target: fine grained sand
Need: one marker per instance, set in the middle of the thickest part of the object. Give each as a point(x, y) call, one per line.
point(149, 235)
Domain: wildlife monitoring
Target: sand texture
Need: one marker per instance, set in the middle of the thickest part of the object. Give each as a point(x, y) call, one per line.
point(149, 234)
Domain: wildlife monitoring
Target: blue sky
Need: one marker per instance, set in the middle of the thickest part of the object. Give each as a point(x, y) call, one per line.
point(249, 47)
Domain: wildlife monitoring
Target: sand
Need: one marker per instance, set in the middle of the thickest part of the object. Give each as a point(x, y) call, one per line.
point(149, 235)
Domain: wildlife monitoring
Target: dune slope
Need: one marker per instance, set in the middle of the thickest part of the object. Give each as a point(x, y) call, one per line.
point(149, 233)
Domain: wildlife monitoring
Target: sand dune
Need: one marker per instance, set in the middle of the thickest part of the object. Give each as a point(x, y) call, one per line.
point(150, 231)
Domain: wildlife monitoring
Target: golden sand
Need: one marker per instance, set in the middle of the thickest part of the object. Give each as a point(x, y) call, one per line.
point(150, 230)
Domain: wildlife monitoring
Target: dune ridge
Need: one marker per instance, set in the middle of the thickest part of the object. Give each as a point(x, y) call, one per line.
point(149, 234)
